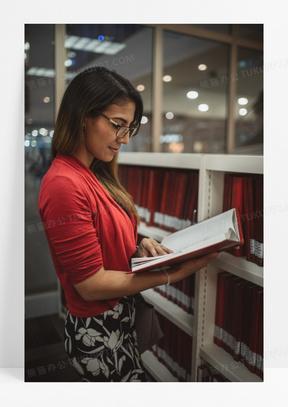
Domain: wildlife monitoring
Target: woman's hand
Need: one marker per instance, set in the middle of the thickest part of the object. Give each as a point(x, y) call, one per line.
point(150, 248)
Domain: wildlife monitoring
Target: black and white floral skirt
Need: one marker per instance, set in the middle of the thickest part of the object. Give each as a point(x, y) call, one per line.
point(104, 348)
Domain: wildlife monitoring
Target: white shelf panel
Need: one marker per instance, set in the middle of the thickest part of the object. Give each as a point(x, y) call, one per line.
point(153, 232)
point(234, 163)
point(169, 160)
point(169, 310)
point(240, 267)
point(156, 368)
point(226, 365)
point(215, 162)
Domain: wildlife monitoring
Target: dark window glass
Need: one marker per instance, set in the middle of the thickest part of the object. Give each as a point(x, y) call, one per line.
point(195, 83)
point(219, 28)
point(39, 124)
point(250, 31)
point(249, 101)
point(125, 48)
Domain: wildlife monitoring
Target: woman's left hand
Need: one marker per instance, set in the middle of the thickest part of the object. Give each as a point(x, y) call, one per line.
point(150, 247)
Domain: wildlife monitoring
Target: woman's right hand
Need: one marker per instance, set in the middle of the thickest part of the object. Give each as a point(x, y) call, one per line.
point(188, 267)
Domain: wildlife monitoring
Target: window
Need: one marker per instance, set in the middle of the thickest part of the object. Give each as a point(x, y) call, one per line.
point(249, 101)
point(39, 125)
point(194, 94)
point(125, 48)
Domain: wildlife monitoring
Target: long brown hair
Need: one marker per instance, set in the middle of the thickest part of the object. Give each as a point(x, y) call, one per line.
point(87, 95)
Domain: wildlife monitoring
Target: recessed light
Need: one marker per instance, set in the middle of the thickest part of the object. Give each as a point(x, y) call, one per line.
point(140, 87)
point(203, 107)
point(242, 101)
point(243, 111)
point(144, 120)
point(202, 67)
point(169, 115)
point(167, 78)
point(192, 94)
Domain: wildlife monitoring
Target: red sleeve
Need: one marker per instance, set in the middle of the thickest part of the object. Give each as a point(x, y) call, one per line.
point(68, 223)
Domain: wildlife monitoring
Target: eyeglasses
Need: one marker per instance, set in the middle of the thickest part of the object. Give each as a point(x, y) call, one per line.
point(121, 131)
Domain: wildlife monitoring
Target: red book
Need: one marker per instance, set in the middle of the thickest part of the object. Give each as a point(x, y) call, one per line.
point(256, 254)
point(180, 194)
point(236, 326)
point(220, 308)
point(247, 317)
point(259, 358)
point(237, 201)
point(228, 313)
point(255, 323)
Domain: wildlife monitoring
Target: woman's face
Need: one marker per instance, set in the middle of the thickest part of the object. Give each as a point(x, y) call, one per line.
point(100, 140)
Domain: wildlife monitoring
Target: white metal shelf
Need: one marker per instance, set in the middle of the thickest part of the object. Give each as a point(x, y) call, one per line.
point(169, 310)
point(226, 365)
point(216, 162)
point(234, 163)
point(156, 368)
point(240, 267)
point(168, 160)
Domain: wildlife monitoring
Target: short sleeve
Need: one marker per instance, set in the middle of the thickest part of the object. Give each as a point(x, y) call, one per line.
point(70, 230)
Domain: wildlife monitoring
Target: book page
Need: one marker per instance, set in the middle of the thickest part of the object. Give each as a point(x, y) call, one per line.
point(201, 232)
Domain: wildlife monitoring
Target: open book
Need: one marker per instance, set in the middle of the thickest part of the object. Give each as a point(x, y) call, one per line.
point(210, 235)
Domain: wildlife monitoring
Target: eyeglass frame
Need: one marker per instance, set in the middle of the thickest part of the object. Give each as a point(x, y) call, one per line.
point(118, 126)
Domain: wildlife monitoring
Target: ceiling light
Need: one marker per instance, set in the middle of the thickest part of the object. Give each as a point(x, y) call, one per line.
point(243, 111)
point(80, 44)
point(91, 45)
point(203, 107)
point(99, 45)
point(70, 41)
point(43, 131)
point(167, 78)
point(144, 120)
point(102, 46)
point(46, 99)
point(140, 87)
point(202, 67)
point(242, 101)
point(68, 63)
point(169, 115)
point(192, 94)
point(198, 146)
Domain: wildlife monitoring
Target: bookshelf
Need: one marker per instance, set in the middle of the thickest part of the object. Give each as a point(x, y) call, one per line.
point(169, 310)
point(156, 368)
point(226, 365)
point(212, 168)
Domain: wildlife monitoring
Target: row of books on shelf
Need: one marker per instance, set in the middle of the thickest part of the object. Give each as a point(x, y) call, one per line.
point(165, 198)
point(245, 192)
point(180, 293)
point(207, 373)
point(174, 350)
point(239, 320)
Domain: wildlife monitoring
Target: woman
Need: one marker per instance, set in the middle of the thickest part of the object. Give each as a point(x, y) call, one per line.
point(91, 227)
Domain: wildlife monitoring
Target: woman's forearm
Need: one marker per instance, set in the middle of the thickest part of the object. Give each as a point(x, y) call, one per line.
point(108, 284)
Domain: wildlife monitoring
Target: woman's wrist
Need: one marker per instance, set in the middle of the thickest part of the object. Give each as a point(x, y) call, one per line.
point(167, 276)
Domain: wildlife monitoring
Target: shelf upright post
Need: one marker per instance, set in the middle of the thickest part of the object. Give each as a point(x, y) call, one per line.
point(210, 198)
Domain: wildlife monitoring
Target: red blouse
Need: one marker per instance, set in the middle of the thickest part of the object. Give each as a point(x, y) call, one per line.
point(85, 228)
